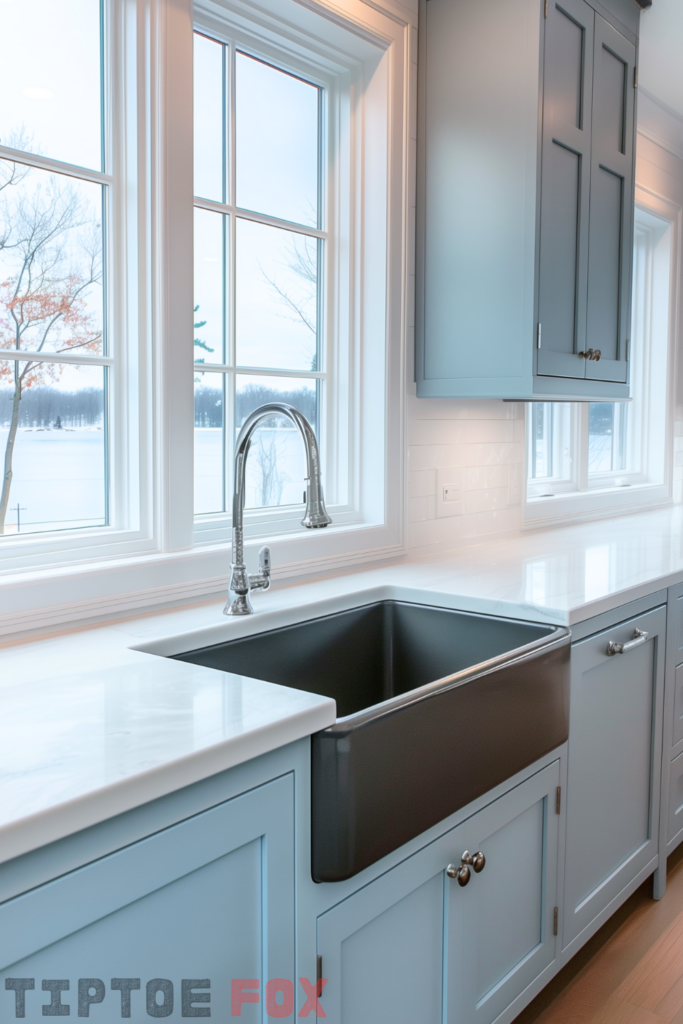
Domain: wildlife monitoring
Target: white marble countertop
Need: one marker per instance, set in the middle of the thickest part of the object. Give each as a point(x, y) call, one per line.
point(96, 721)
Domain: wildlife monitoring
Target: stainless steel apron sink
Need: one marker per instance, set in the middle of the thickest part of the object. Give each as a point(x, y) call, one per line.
point(435, 707)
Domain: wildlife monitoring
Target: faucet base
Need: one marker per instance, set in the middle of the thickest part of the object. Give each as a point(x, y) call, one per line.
point(240, 605)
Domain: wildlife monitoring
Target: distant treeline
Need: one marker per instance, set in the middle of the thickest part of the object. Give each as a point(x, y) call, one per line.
point(49, 407)
point(208, 403)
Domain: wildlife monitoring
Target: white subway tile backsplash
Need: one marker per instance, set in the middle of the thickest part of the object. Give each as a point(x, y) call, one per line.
point(418, 457)
point(436, 432)
point(483, 443)
point(478, 478)
point(492, 431)
point(421, 482)
point(503, 520)
point(421, 508)
point(484, 501)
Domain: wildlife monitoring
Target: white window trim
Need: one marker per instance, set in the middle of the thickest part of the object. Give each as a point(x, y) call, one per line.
point(158, 564)
point(128, 446)
point(597, 502)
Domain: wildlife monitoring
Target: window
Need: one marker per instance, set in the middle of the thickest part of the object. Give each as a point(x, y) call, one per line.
point(260, 252)
point(292, 239)
point(55, 202)
point(584, 458)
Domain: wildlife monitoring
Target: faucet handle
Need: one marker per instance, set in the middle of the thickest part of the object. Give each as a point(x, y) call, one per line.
point(264, 560)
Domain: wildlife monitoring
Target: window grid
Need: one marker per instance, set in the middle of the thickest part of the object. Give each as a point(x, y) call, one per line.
point(104, 178)
point(232, 214)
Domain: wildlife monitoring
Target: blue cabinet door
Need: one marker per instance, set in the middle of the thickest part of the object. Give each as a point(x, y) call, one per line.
point(162, 927)
point(565, 187)
point(610, 249)
point(415, 945)
point(614, 768)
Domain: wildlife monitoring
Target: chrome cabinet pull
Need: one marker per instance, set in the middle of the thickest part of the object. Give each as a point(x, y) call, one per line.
point(640, 637)
point(461, 872)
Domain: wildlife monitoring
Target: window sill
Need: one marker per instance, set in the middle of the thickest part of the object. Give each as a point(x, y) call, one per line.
point(583, 506)
point(35, 601)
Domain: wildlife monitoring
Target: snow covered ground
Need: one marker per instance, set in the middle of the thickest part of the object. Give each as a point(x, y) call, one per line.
point(59, 475)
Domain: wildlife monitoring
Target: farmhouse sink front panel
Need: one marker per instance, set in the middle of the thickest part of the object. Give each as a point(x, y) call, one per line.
point(435, 706)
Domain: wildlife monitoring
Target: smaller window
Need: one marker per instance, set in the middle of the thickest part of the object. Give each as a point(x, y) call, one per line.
point(584, 457)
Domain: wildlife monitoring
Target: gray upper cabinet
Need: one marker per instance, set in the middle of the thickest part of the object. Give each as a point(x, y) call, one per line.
point(565, 187)
point(525, 198)
point(610, 243)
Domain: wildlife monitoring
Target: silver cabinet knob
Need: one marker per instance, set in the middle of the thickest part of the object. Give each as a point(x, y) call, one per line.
point(461, 872)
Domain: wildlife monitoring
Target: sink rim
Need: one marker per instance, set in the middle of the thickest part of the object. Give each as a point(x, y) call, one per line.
point(558, 636)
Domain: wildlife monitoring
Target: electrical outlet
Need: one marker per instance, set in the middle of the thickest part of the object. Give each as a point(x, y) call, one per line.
point(448, 492)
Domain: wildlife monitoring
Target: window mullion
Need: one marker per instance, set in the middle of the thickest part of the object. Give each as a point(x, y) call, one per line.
point(581, 444)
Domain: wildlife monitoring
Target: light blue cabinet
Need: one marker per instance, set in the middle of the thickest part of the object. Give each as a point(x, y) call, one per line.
point(525, 198)
point(671, 814)
point(415, 945)
point(614, 763)
point(161, 927)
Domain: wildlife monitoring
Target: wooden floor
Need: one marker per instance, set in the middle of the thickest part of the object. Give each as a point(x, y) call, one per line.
point(631, 972)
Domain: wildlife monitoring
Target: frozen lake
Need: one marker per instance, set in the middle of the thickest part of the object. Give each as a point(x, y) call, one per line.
point(276, 469)
point(59, 478)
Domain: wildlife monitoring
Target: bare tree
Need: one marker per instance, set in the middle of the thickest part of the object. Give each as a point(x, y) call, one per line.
point(52, 249)
point(268, 453)
point(302, 261)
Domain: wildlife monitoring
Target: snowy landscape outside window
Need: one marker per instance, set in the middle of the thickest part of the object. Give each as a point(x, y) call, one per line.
point(258, 252)
point(55, 360)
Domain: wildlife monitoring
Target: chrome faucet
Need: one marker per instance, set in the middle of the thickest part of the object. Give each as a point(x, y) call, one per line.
point(241, 582)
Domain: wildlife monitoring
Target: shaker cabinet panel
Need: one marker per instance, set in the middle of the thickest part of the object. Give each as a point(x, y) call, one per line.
point(162, 926)
point(611, 219)
point(675, 808)
point(565, 188)
point(677, 735)
point(614, 766)
point(416, 945)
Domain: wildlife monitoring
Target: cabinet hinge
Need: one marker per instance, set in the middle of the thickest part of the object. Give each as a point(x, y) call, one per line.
point(558, 800)
point(545, 9)
point(538, 337)
point(635, 77)
point(556, 914)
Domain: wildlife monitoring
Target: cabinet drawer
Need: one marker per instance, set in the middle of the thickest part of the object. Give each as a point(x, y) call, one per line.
point(675, 821)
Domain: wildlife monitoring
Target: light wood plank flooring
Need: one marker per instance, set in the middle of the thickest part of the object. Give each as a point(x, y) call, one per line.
point(631, 972)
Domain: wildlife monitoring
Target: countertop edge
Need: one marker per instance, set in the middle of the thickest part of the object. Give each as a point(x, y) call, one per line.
point(65, 819)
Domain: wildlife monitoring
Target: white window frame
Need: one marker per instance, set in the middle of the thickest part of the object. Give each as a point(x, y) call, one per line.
point(579, 496)
point(337, 409)
point(154, 558)
point(129, 502)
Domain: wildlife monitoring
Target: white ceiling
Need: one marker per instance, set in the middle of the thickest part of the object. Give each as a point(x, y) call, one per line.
point(660, 69)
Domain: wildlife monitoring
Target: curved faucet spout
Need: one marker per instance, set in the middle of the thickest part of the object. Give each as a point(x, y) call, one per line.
point(315, 515)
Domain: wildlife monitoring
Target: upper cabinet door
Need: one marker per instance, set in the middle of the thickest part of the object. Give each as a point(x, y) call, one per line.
point(611, 213)
point(565, 187)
